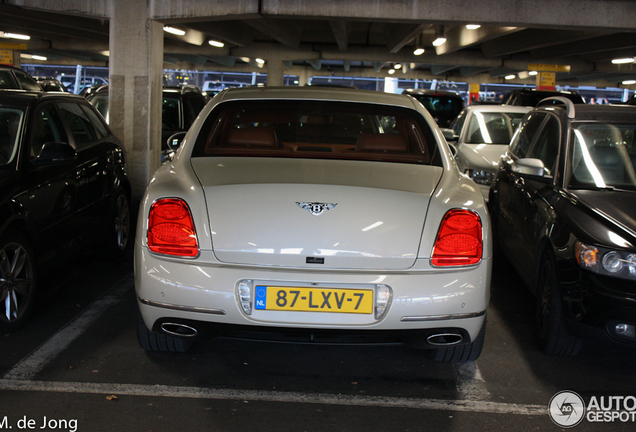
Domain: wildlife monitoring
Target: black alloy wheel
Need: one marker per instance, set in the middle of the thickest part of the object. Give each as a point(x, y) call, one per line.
point(17, 280)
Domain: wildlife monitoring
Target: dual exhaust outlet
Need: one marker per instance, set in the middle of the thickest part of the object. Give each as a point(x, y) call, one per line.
point(437, 339)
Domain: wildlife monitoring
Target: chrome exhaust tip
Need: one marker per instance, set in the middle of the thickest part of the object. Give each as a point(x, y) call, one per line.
point(444, 339)
point(177, 329)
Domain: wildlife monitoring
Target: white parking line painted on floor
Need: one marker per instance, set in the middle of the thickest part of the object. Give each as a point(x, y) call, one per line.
point(28, 367)
point(470, 383)
point(273, 396)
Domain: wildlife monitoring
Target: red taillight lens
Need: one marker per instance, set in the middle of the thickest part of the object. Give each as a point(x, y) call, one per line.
point(458, 240)
point(171, 230)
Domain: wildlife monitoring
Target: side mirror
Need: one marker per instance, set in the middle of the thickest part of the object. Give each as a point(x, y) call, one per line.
point(449, 134)
point(533, 168)
point(175, 140)
point(55, 153)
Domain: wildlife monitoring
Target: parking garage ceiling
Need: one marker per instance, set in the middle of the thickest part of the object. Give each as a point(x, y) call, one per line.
point(357, 38)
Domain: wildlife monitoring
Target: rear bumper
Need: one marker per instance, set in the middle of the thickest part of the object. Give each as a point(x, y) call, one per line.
point(204, 294)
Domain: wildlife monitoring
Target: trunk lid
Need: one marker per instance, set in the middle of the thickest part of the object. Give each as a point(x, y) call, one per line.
point(260, 211)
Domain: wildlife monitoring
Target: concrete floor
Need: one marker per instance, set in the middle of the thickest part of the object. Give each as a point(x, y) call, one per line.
point(77, 366)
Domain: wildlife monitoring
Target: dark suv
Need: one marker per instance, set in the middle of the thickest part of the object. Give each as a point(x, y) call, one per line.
point(531, 97)
point(180, 107)
point(443, 105)
point(563, 205)
point(63, 191)
point(15, 78)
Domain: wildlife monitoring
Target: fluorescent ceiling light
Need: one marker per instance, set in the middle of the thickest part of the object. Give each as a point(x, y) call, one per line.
point(472, 26)
point(216, 43)
point(397, 66)
point(173, 30)
point(533, 73)
point(260, 61)
point(439, 41)
point(509, 77)
point(391, 71)
point(15, 36)
point(629, 82)
point(623, 60)
point(38, 57)
point(418, 51)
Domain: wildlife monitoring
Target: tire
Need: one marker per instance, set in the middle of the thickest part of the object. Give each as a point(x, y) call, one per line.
point(17, 280)
point(463, 353)
point(117, 235)
point(159, 342)
point(554, 336)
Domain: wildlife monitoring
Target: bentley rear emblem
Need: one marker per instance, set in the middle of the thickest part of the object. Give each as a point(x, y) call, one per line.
point(316, 209)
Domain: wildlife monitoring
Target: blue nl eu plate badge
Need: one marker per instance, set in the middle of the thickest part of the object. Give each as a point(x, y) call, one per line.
point(260, 300)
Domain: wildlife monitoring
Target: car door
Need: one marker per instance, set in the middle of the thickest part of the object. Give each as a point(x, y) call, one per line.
point(50, 196)
point(518, 148)
point(92, 169)
point(511, 186)
point(531, 207)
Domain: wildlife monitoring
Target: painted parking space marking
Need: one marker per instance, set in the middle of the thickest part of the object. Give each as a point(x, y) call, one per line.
point(272, 396)
point(470, 384)
point(28, 367)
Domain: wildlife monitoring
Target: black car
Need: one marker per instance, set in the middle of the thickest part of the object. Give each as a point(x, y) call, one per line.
point(63, 189)
point(444, 105)
point(15, 78)
point(51, 84)
point(531, 97)
point(564, 207)
point(180, 107)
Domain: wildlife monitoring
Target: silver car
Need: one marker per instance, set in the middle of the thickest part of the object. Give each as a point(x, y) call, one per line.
point(310, 214)
point(481, 134)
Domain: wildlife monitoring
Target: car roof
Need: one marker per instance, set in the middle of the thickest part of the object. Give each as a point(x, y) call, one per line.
point(498, 108)
point(316, 93)
point(607, 113)
point(431, 92)
point(23, 97)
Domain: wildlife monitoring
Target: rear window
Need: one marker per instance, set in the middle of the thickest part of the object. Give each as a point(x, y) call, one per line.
point(316, 129)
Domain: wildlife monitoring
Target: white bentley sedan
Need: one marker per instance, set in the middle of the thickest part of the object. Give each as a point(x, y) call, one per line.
point(314, 214)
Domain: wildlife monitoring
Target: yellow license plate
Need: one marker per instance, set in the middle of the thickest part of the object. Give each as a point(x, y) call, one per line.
point(313, 299)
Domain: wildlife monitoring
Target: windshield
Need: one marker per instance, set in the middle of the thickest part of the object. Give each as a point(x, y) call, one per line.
point(492, 127)
point(315, 129)
point(441, 105)
point(10, 126)
point(603, 155)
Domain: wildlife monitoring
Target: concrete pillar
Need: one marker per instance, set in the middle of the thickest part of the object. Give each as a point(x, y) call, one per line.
point(303, 76)
point(135, 87)
point(275, 72)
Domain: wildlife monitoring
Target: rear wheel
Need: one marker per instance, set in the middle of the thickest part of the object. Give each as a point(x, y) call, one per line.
point(17, 280)
point(555, 337)
point(463, 353)
point(118, 228)
point(159, 342)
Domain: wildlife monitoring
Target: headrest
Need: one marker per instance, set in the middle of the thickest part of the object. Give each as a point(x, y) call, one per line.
point(257, 137)
point(605, 155)
point(381, 142)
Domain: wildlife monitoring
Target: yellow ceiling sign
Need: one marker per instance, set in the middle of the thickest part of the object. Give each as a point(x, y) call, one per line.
point(548, 68)
point(6, 57)
point(13, 45)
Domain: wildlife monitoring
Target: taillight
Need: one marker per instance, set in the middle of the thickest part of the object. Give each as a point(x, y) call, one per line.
point(459, 240)
point(171, 230)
